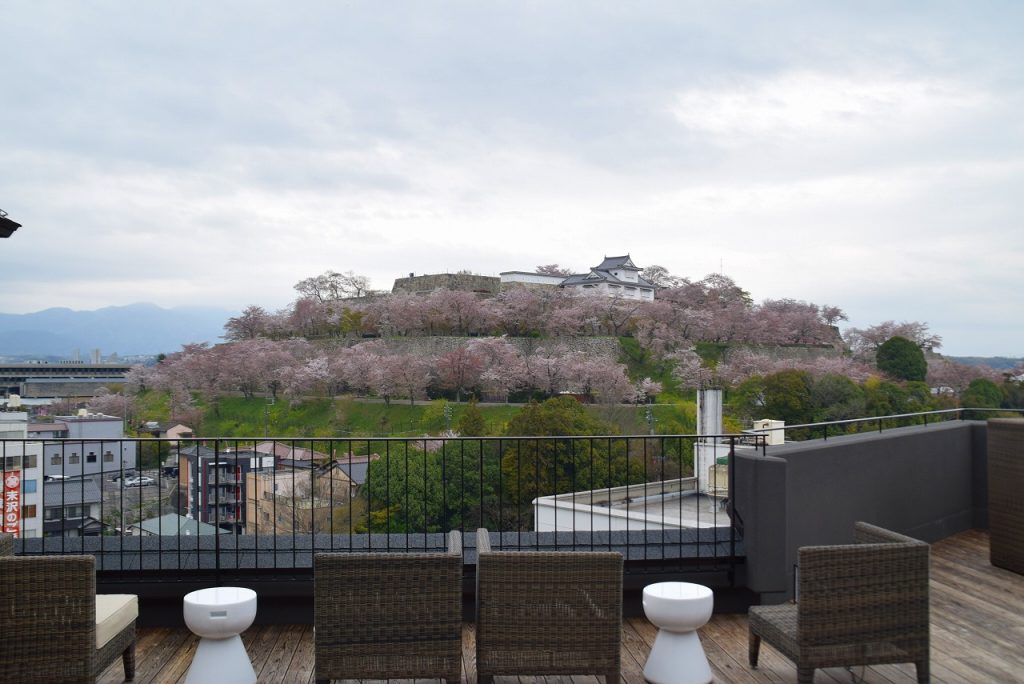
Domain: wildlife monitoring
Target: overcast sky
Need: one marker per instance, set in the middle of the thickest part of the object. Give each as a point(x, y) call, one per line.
point(864, 154)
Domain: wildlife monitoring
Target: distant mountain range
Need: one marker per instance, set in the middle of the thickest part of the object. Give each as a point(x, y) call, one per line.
point(997, 362)
point(135, 329)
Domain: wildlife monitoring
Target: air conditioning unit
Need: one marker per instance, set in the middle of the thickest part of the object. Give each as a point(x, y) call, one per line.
point(772, 430)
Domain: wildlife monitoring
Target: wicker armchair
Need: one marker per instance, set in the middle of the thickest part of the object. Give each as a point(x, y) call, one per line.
point(389, 615)
point(547, 613)
point(56, 629)
point(858, 604)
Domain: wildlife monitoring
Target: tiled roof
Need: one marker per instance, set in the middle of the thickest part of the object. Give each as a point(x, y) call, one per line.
point(172, 524)
point(70, 492)
point(616, 262)
point(47, 427)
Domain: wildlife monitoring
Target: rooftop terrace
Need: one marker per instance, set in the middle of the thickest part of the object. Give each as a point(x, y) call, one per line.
point(976, 631)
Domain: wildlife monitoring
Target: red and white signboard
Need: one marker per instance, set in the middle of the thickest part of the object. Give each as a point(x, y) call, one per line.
point(12, 502)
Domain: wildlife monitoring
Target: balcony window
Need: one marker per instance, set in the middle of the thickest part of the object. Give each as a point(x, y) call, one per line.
point(91, 458)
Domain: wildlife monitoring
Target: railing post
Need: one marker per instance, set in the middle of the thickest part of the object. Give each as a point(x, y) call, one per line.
point(732, 512)
point(216, 509)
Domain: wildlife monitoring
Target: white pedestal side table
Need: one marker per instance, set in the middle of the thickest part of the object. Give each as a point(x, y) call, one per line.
point(218, 616)
point(677, 609)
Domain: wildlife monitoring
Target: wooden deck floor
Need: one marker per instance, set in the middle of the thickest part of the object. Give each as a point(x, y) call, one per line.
point(977, 637)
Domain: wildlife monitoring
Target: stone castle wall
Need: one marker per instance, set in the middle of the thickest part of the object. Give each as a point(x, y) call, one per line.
point(605, 347)
point(467, 282)
point(796, 352)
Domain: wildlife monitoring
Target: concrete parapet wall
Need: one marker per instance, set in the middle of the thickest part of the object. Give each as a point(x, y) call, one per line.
point(926, 482)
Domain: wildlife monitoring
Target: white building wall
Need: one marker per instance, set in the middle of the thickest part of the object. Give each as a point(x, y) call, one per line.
point(24, 459)
point(530, 278)
point(93, 437)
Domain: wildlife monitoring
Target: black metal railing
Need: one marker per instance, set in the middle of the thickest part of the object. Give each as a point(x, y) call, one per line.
point(836, 428)
point(227, 505)
point(151, 506)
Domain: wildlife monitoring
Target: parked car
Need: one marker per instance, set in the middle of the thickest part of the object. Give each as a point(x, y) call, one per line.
point(141, 481)
point(128, 474)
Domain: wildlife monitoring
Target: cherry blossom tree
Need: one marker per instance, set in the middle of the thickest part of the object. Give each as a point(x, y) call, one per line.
point(121, 404)
point(660, 277)
point(309, 317)
point(252, 322)
point(332, 286)
point(460, 369)
point(864, 342)
point(302, 379)
point(360, 366)
point(547, 372)
point(956, 376)
point(408, 373)
point(646, 389)
point(690, 370)
point(504, 369)
point(518, 311)
point(454, 312)
point(554, 270)
point(398, 314)
point(603, 380)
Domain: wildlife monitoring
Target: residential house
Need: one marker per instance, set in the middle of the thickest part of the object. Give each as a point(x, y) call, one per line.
point(71, 508)
point(290, 500)
point(168, 430)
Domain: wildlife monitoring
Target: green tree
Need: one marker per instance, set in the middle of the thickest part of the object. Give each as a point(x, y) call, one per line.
point(559, 416)
point(981, 393)
point(747, 399)
point(556, 463)
point(458, 485)
point(1013, 394)
point(836, 397)
point(471, 423)
point(787, 396)
point(902, 359)
point(886, 398)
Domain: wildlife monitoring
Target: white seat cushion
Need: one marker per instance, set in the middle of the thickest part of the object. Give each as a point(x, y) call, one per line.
point(114, 612)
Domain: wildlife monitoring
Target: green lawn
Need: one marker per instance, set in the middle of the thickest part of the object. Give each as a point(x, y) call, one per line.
point(348, 417)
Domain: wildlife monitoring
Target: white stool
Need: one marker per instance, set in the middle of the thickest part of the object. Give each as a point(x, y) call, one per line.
point(677, 609)
point(218, 616)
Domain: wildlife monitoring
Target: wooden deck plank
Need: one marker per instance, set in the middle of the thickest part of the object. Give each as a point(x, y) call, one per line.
point(977, 626)
point(634, 653)
point(280, 657)
point(300, 669)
